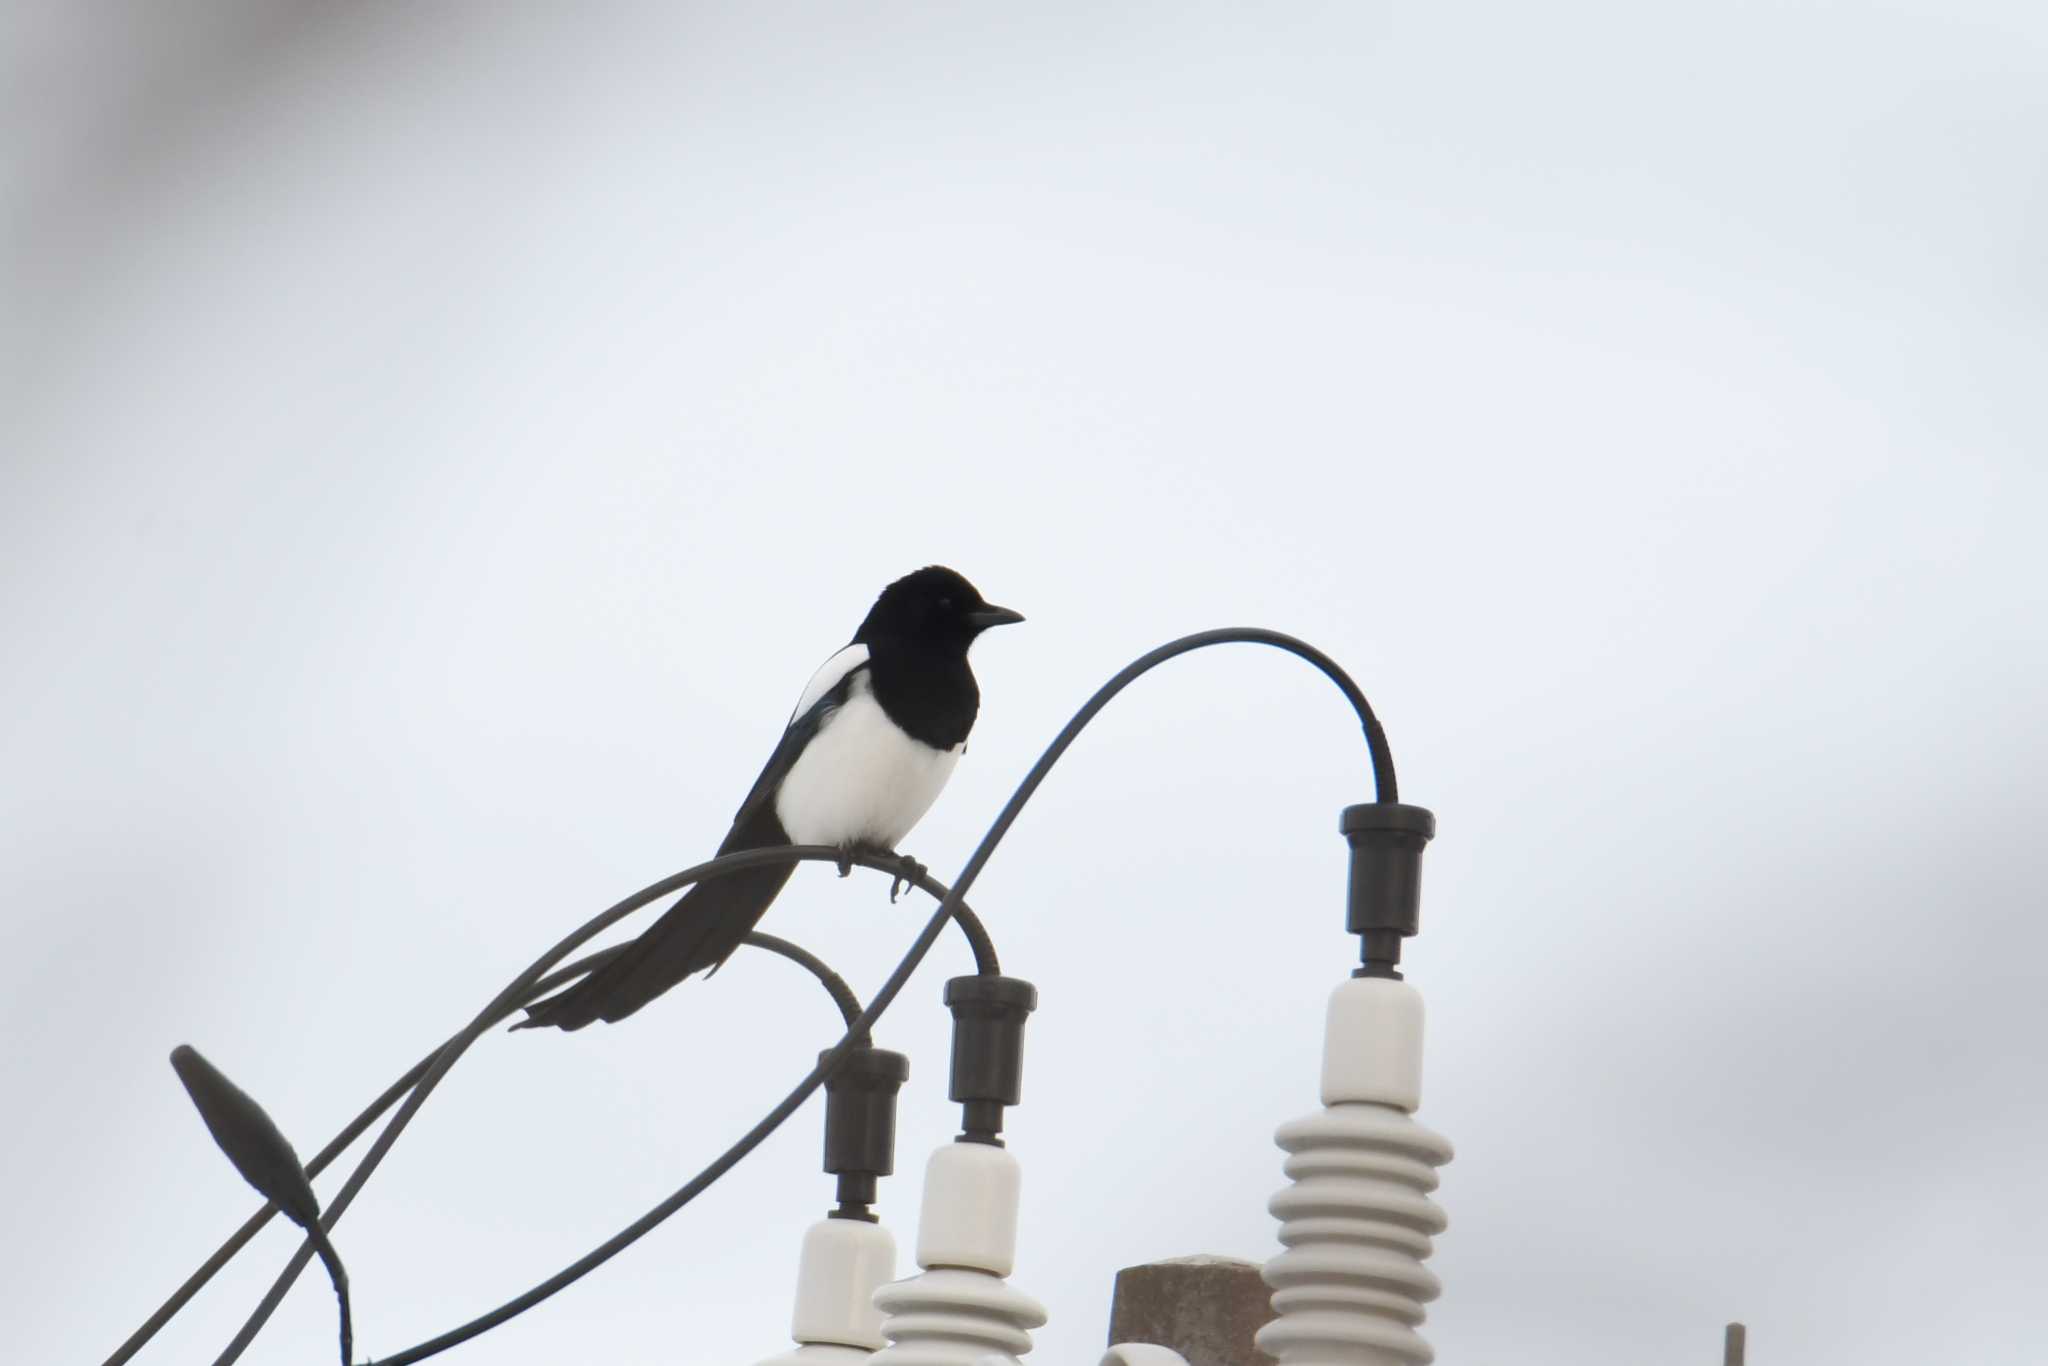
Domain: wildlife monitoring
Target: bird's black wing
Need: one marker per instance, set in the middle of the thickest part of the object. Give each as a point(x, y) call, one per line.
point(712, 918)
point(802, 729)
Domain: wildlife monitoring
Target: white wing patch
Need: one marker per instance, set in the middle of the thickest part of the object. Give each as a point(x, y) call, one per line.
point(828, 675)
point(861, 779)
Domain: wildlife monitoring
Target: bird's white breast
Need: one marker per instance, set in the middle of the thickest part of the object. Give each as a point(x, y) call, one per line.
point(861, 779)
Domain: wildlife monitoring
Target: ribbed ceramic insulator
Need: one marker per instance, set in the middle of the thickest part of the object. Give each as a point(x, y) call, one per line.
point(961, 1312)
point(1357, 1221)
point(822, 1354)
point(1357, 1224)
point(953, 1317)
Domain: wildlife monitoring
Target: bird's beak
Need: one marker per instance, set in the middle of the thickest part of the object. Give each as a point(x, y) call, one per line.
point(981, 618)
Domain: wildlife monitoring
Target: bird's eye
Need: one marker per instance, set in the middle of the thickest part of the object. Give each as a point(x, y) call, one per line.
point(945, 604)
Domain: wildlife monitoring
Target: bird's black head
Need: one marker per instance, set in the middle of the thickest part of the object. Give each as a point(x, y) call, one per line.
point(933, 609)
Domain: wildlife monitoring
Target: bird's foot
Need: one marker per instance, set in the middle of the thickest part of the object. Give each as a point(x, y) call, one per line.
point(908, 871)
point(845, 864)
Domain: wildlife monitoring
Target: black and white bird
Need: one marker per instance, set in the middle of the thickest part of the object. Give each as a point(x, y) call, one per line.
point(872, 740)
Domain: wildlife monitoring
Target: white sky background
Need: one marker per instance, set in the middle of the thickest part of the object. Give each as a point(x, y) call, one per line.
point(443, 440)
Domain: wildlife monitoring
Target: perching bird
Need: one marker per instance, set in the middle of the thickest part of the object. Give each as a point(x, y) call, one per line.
point(873, 739)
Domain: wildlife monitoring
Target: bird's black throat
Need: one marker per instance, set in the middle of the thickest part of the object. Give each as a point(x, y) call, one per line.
point(928, 690)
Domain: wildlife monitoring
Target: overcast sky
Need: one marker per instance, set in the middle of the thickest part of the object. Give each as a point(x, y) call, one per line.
point(442, 439)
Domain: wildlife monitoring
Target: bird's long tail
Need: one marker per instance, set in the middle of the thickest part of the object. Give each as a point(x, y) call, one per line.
point(698, 932)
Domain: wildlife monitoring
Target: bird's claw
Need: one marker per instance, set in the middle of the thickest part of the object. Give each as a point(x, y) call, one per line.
point(908, 871)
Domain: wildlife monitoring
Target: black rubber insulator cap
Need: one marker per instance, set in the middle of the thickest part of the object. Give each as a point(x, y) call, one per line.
point(860, 1111)
point(1386, 841)
point(988, 1037)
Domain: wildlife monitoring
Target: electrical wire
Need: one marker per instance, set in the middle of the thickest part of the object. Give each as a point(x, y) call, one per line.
point(835, 985)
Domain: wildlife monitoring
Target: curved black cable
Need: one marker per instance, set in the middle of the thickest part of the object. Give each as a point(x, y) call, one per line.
point(978, 941)
point(835, 985)
point(1384, 790)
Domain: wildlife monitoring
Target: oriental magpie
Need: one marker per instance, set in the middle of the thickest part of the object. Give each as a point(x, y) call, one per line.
point(873, 739)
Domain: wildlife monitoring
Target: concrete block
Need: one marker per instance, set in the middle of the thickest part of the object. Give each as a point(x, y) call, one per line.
point(1205, 1308)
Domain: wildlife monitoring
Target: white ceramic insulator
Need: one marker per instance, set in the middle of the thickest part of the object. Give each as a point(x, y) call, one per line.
point(969, 1217)
point(1357, 1222)
point(1142, 1354)
point(822, 1354)
point(952, 1317)
point(1372, 1044)
point(961, 1312)
point(843, 1262)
